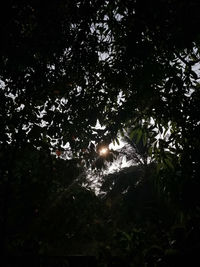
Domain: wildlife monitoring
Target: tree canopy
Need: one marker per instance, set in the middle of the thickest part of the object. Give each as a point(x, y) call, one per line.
point(67, 66)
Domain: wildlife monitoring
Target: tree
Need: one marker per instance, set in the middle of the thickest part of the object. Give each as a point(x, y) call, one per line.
point(115, 48)
point(66, 65)
point(150, 226)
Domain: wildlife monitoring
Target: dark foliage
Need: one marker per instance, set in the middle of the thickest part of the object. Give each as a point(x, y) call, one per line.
point(66, 65)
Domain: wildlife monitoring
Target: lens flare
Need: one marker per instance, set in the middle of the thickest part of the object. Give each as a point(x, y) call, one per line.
point(103, 151)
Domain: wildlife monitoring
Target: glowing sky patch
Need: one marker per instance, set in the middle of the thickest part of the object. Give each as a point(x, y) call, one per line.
point(103, 151)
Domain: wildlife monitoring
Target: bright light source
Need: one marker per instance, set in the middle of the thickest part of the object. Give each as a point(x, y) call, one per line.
point(103, 151)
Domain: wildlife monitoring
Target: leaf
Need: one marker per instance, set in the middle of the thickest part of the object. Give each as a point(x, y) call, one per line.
point(144, 139)
point(168, 85)
point(122, 132)
point(194, 75)
point(132, 134)
point(139, 135)
point(117, 141)
point(150, 150)
point(168, 162)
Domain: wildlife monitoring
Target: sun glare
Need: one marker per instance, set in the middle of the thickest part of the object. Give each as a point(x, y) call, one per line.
point(103, 151)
